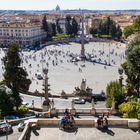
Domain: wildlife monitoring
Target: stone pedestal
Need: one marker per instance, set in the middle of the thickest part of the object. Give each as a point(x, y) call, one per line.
point(113, 111)
point(93, 111)
point(46, 105)
point(133, 123)
point(53, 112)
point(73, 111)
point(45, 108)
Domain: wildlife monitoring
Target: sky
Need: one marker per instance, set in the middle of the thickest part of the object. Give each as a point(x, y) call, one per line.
point(69, 4)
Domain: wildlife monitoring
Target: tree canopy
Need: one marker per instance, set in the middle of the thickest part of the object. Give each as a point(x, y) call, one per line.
point(6, 101)
point(72, 26)
point(15, 77)
point(114, 92)
point(107, 27)
point(45, 24)
point(132, 65)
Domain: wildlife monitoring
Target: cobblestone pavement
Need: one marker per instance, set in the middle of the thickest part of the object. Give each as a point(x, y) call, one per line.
point(84, 133)
point(65, 75)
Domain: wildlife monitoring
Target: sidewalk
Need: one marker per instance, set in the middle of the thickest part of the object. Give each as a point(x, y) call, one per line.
point(84, 133)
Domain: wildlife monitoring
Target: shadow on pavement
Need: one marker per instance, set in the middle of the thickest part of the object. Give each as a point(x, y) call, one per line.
point(106, 130)
point(72, 130)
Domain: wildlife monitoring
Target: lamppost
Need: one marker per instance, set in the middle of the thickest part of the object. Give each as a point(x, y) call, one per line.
point(46, 103)
point(82, 38)
point(120, 71)
point(109, 55)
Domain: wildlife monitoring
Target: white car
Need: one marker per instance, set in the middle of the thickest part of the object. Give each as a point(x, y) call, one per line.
point(39, 76)
point(26, 104)
point(79, 101)
point(21, 125)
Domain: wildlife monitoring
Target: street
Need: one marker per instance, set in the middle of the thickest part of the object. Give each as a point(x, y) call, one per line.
point(59, 103)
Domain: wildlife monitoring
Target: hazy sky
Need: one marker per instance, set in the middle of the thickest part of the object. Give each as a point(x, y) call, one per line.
point(69, 4)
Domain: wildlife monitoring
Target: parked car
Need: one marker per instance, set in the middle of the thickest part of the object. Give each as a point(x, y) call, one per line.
point(79, 101)
point(26, 104)
point(39, 76)
point(21, 125)
point(5, 128)
point(99, 96)
point(11, 117)
point(29, 114)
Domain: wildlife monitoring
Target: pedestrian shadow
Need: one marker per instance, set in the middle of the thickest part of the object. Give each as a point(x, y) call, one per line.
point(35, 132)
point(72, 130)
point(110, 132)
point(106, 130)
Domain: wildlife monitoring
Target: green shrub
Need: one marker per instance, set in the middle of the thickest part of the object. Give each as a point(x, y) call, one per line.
point(22, 110)
point(116, 92)
point(130, 109)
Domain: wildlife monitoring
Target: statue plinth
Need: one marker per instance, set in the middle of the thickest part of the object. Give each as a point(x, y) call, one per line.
point(73, 111)
point(46, 105)
point(93, 111)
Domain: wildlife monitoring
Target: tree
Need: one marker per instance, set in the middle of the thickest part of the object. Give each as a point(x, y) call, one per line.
point(6, 101)
point(108, 24)
point(74, 26)
point(114, 92)
point(132, 65)
point(136, 23)
point(59, 30)
point(118, 32)
point(93, 31)
point(130, 109)
point(68, 25)
point(45, 24)
point(15, 77)
point(113, 30)
point(127, 31)
point(53, 29)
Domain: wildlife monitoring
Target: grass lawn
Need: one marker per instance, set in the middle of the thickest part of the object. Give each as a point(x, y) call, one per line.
point(57, 36)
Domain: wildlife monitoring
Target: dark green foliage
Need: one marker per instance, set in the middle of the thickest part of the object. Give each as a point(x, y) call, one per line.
point(113, 30)
point(59, 30)
point(93, 31)
point(53, 29)
point(130, 109)
point(118, 33)
point(22, 110)
point(6, 101)
point(71, 26)
point(74, 26)
point(136, 24)
point(134, 28)
point(132, 66)
point(108, 27)
point(127, 31)
point(15, 77)
point(45, 24)
point(115, 92)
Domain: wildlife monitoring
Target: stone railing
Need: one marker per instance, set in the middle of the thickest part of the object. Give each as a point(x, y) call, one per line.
point(17, 121)
point(84, 111)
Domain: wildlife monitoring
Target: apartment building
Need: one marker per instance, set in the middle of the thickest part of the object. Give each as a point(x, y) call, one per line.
point(24, 34)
